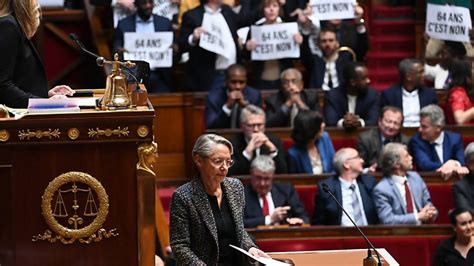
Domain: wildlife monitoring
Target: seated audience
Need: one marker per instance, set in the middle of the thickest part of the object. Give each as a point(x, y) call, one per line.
point(326, 70)
point(371, 142)
point(268, 203)
point(460, 108)
point(253, 141)
point(410, 95)
point(313, 151)
point(144, 21)
point(436, 149)
point(401, 197)
point(266, 74)
point(223, 105)
point(463, 190)
point(457, 250)
point(352, 188)
point(353, 104)
point(440, 73)
point(282, 108)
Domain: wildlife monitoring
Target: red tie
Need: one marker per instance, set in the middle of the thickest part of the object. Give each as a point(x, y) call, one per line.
point(408, 198)
point(265, 209)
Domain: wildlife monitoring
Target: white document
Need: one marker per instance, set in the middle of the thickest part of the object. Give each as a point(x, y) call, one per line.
point(165, 9)
point(216, 37)
point(447, 22)
point(333, 9)
point(51, 3)
point(275, 41)
point(265, 261)
point(155, 48)
point(243, 33)
point(40, 105)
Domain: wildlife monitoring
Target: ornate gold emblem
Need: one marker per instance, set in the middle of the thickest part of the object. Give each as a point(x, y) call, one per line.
point(70, 219)
point(4, 135)
point(147, 154)
point(22, 134)
point(73, 133)
point(108, 132)
point(143, 131)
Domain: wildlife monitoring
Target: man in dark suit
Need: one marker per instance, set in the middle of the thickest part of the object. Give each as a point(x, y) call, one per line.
point(268, 203)
point(401, 197)
point(463, 190)
point(223, 105)
point(351, 188)
point(204, 68)
point(253, 141)
point(435, 149)
point(282, 108)
point(370, 143)
point(353, 104)
point(410, 95)
point(145, 21)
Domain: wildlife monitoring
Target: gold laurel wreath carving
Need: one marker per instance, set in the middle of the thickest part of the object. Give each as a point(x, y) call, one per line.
point(108, 132)
point(143, 131)
point(73, 133)
point(4, 136)
point(22, 134)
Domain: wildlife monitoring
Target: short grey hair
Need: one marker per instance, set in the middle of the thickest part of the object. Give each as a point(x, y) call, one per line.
point(340, 158)
point(295, 71)
point(250, 109)
point(406, 65)
point(469, 153)
point(435, 113)
point(390, 156)
point(205, 144)
point(263, 163)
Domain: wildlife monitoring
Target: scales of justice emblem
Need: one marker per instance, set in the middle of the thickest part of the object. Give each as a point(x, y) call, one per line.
point(75, 215)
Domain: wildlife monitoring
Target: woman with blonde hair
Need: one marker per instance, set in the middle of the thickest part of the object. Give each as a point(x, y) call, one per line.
point(22, 74)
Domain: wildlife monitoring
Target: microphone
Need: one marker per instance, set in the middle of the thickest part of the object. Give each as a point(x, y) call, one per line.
point(369, 244)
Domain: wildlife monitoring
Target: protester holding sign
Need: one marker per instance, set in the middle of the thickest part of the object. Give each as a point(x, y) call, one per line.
point(144, 21)
point(274, 43)
point(440, 73)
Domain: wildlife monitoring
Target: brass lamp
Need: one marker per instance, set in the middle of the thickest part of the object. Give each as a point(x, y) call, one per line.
point(116, 91)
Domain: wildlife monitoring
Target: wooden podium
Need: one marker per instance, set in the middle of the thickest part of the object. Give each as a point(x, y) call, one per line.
point(70, 191)
point(349, 257)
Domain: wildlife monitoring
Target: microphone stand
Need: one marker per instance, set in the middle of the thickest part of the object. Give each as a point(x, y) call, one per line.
point(369, 260)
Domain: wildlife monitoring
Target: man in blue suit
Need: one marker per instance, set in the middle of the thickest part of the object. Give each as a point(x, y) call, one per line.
point(268, 203)
point(145, 21)
point(410, 95)
point(401, 196)
point(435, 149)
point(223, 105)
point(352, 188)
point(354, 104)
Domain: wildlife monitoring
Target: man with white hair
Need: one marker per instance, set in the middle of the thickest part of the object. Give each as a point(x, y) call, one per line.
point(436, 149)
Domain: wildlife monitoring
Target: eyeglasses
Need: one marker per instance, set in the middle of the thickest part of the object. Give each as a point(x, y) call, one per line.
point(258, 125)
point(355, 157)
point(219, 162)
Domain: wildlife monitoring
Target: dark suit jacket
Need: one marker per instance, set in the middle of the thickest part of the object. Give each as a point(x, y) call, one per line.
point(369, 145)
point(22, 75)
point(453, 148)
point(217, 97)
point(201, 67)
point(327, 212)
point(348, 36)
point(463, 193)
point(275, 115)
point(393, 96)
point(193, 230)
point(282, 195)
point(335, 106)
point(242, 165)
point(318, 69)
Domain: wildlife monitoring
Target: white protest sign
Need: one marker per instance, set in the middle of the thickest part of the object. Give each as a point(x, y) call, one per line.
point(333, 9)
point(275, 41)
point(155, 48)
point(165, 9)
point(216, 36)
point(446, 22)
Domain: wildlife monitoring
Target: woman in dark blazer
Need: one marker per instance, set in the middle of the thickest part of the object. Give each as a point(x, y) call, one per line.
point(313, 150)
point(22, 75)
point(206, 213)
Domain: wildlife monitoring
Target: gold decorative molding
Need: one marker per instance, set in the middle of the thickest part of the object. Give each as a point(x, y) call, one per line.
point(70, 185)
point(143, 131)
point(4, 135)
point(22, 134)
point(147, 154)
point(108, 132)
point(73, 133)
